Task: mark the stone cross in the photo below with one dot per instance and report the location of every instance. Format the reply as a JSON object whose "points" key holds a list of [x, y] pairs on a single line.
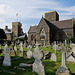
{"points": [[63, 70], [66, 44], [55, 46], [7, 58], [37, 45], [63, 50], [37, 65], [29, 47]]}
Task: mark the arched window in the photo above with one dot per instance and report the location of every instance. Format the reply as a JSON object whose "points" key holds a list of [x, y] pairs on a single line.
{"points": [[42, 34], [32, 36]]}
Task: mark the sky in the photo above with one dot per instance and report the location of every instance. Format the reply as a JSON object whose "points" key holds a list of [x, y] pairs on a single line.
{"points": [[31, 11]]}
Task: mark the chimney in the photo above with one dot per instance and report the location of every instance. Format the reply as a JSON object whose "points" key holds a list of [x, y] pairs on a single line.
{"points": [[6, 27]]}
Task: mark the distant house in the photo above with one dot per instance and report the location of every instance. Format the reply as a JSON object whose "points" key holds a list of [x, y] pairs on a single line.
{"points": [[15, 32], [50, 29]]}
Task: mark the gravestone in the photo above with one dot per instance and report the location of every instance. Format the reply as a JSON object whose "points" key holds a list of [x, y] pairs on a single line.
{"points": [[15, 47], [13, 53], [63, 70], [21, 49], [55, 46], [29, 52], [37, 65], [53, 57], [7, 58]]}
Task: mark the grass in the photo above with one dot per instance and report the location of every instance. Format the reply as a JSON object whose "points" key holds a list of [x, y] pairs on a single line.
{"points": [[50, 66]]}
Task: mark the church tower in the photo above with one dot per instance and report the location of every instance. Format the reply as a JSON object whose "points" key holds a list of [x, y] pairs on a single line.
{"points": [[52, 16], [16, 29]]}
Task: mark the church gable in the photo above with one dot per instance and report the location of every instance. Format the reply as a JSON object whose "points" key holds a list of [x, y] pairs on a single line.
{"points": [[42, 25]]}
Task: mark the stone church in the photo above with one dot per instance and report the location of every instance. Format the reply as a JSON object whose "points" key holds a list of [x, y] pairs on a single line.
{"points": [[51, 29], [15, 32]]}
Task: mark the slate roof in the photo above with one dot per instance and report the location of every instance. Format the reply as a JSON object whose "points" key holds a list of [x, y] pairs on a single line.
{"points": [[63, 24], [8, 31], [32, 29], [55, 24]]}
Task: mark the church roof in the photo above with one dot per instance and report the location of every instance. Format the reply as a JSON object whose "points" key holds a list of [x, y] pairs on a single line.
{"points": [[8, 31], [32, 29], [63, 24], [55, 24]]}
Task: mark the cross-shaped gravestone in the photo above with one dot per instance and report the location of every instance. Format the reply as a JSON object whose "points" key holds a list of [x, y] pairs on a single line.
{"points": [[63, 70], [37, 65], [29, 47], [55, 47], [66, 44], [37, 45], [63, 50], [7, 58]]}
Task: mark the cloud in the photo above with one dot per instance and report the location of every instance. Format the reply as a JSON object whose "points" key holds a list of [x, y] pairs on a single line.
{"points": [[30, 9]]}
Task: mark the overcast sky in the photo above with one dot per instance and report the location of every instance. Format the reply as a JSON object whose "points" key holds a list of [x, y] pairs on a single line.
{"points": [[31, 11]]}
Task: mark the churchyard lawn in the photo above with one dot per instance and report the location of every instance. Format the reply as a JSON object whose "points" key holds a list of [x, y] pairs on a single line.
{"points": [[50, 66]]}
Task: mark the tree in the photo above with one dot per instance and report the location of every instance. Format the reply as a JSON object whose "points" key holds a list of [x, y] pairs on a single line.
{"points": [[2, 35]]}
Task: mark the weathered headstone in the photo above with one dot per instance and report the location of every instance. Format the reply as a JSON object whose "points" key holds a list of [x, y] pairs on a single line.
{"points": [[7, 58], [15, 47], [63, 70], [13, 53], [29, 52], [37, 65], [53, 57], [21, 47], [55, 47]]}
